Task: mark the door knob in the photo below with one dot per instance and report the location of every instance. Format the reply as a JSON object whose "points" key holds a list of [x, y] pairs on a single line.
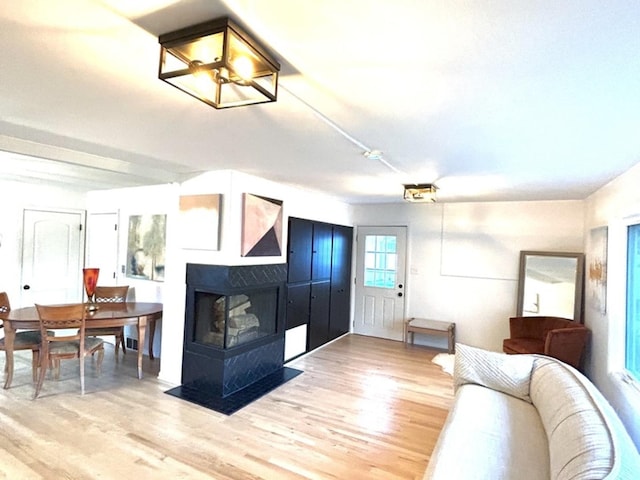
{"points": [[399, 294], [26, 287]]}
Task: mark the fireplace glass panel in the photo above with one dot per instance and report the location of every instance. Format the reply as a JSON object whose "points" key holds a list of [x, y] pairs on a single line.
{"points": [[226, 321]]}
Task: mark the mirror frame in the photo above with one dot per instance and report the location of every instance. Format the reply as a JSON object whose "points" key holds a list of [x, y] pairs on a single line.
{"points": [[579, 280]]}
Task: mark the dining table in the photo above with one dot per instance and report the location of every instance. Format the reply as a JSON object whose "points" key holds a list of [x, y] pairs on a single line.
{"points": [[98, 315]]}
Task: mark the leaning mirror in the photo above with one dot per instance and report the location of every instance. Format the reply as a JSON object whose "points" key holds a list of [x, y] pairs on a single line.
{"points": [[550, 284]]}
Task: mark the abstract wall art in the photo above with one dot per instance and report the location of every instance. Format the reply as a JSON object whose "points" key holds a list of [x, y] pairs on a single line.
{"points": [[146, 247], [261, 226], [200, 221], [597, 270]]}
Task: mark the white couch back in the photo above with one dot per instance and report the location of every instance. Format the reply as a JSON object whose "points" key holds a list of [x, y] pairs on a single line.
{"points": [[586, 438]]}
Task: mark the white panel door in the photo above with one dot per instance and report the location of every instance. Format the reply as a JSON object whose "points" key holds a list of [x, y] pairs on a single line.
{"points": [[52, 254], [102, 246], [380, 282]]}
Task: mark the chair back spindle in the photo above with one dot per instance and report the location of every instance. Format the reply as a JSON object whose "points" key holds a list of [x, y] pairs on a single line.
{"points": [[111, 294], [5, 306]]}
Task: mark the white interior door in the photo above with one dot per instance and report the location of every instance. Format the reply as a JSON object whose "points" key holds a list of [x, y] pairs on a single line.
{"points": [[52, 254], [102, 246], [380, 282]]}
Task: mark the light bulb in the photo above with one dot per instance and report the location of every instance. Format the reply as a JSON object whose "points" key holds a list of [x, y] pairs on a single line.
{"points": [[243, 67], [202, 78]]}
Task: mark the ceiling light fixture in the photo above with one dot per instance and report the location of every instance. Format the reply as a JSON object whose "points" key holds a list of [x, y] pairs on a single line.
{"points": [[420, 192], [373, 154], [218, 63]]}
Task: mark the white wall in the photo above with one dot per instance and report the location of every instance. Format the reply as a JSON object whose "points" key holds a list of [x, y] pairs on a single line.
{"points": [[14, 198], [165, 199], [616, 205], [154, 200], [463, 259]]}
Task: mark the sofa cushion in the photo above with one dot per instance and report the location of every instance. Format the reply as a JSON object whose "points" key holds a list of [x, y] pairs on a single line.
{"points": [[506, 373], [490, 435]]}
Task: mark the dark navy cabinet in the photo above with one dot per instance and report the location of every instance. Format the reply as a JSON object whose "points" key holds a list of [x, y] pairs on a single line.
{"points": [[319, 279]]}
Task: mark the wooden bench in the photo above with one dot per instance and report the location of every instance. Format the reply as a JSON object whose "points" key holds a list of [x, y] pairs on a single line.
{"points": [[431, 327]]}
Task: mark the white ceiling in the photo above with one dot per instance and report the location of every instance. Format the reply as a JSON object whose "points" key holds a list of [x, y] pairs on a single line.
{"points": [[491, 100]]}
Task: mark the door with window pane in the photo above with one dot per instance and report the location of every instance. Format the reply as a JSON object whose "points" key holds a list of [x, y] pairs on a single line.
{"points": [[380, 282]]}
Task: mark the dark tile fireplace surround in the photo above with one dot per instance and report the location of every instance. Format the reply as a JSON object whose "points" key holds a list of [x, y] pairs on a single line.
{"points": [[234, 335]]}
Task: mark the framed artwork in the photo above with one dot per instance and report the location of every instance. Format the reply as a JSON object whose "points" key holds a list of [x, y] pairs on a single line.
{"points": [[200, 221], [597, 269], [261, 226], [146, 247]]}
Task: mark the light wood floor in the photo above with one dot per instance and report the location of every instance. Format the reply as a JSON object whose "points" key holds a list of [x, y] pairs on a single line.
{"points": [[364, 408]]}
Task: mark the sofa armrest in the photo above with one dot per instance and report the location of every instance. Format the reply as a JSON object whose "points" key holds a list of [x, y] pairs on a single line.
{"points": [[567, 344]]}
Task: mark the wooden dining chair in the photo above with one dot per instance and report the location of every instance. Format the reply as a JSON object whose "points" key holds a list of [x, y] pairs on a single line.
{"points": [[67, 345], [111, 295], [25, 340]]}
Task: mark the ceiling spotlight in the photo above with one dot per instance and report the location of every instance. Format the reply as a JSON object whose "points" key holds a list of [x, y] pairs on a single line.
{"points": [[420, 192], [373, 154], [218, 63]]}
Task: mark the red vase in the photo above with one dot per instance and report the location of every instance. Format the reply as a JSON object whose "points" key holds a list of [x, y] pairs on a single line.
{"points": [[90, 278]]}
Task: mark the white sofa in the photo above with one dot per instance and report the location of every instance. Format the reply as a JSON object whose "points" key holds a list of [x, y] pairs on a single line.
{"points": [[528, 417]]}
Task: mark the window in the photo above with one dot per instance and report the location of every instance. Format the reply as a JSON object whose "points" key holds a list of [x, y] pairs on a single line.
{"points": [[632, 357], [380, 261]]}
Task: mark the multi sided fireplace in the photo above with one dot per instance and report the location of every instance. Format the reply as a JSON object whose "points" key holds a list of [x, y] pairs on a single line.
{"points": [[234, 326], [226, 321]]}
